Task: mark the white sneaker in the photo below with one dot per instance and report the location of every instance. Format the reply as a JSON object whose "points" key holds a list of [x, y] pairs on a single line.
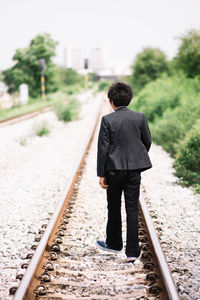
{"points": [[133, 258]]}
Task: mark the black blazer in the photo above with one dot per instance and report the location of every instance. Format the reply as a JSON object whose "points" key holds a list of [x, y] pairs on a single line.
{"points": [[124, 141]]}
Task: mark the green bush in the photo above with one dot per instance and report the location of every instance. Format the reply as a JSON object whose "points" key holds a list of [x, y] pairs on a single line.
{"points": [[188, 56], [160, 95], [93, 77], [26, 67], [104, 85], [71, 77], [42, 129], [67, 111], [172, 106], [73, 89], [169, 130], [148, 66], [187, 163]]}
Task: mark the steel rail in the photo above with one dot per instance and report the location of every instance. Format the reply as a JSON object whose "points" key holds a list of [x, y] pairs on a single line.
{"points": [[24, 116], [164, 269], [22, 290]]}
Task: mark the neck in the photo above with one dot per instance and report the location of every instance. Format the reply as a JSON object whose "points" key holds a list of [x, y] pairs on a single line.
{"points": [[113, 106]]}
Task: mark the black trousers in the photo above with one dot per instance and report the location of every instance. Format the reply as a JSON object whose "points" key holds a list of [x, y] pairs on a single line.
{"points": [[129, 182]]}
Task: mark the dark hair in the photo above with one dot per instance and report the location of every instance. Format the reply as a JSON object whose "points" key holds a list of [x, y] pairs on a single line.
{"points": [[120, 94]]}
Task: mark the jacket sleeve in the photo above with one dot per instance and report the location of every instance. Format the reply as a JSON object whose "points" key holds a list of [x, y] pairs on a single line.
{"points": [[145, 134], [103, 147]]}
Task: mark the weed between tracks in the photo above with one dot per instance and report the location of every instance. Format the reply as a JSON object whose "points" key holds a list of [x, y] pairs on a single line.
{"points": [[42, 129], [67, 111], [39, 129]]}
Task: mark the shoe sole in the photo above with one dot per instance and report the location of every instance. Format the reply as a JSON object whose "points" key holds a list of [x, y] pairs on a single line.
{"points": [[107, 249], [134, 258]]}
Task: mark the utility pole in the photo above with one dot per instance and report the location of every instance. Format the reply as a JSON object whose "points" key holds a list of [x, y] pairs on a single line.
{"points": [[86, 62], [42, 67]]}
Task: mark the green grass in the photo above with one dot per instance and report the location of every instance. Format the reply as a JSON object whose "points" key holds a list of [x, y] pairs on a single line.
{"points": [[63, 95], [42, 129], [73, 89], [67, 111], [104, 85], [38, 103], [23, 140], [21, 109]]}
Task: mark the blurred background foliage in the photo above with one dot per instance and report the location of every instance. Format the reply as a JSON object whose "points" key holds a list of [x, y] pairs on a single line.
{"points": [[60, 82], [104, 85], [168, 93], [148, 66], [187, 161], [68, 76], [26, 69], [188, 58], [67, 111]]}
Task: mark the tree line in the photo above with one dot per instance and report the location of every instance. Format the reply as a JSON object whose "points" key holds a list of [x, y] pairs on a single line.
{"points": [[26, 68], [168, 92]]}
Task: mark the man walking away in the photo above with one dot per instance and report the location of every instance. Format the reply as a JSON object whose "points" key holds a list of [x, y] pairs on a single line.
{"points": [[123, 145]]}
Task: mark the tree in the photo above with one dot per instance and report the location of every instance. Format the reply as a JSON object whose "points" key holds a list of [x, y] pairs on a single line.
{"points": [[148, 66], [68, 76], [188, 57], [72, 77], [1, 76], [93, 77], [26, 70]]}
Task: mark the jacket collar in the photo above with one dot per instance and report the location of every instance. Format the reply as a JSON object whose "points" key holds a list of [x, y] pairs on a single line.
{"points": [[121, 108]]}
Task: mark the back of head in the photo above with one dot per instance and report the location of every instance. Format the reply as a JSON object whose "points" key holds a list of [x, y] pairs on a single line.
{"points": [[120, 94]]}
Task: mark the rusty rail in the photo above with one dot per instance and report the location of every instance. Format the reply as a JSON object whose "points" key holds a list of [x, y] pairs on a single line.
{"points": [[164, 269], [24, 116], [22, 291]]}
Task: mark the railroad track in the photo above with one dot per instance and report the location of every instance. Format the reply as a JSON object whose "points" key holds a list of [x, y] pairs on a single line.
{"points": [[67, 265], [24, 116]]}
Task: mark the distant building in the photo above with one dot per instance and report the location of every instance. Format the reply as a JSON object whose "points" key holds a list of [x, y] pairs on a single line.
{"points": [[98, 60], [72, 58]]}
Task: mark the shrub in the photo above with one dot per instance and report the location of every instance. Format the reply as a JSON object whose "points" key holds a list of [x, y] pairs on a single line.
{"points": [[73, 89], [67, 111], [26, 67], [188, 56], [71, 77], [104, 85], [23, 140], [158, 96], [42, 129], [172, 105], [187, 163], [148, 66], [168, 131], [93, 77]]}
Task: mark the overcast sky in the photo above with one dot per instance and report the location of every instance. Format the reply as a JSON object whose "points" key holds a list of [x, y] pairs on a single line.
{"points": [[123, 26]]}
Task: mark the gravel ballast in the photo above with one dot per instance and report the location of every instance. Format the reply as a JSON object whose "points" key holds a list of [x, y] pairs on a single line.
{"points": [[97, 273], [175, 209], [34, 172]]}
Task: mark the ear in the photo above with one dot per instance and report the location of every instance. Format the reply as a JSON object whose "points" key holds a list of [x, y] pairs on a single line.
{"points": [[113, 106]]}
